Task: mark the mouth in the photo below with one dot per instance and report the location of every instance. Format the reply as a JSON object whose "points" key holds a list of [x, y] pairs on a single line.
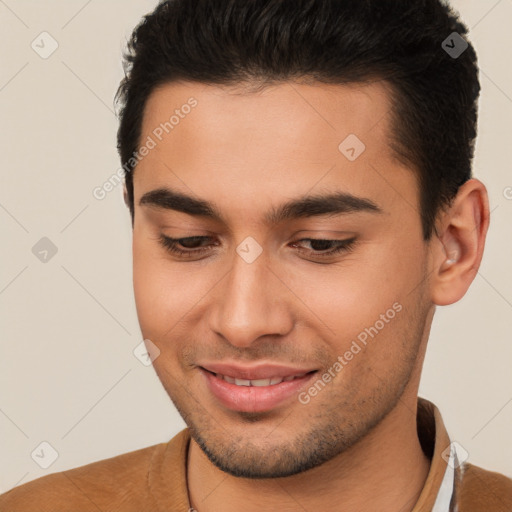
{"points": [[254, 390], [272, 381]]}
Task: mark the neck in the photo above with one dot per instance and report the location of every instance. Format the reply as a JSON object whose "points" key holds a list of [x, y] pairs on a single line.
{"points": [[385, 471]]}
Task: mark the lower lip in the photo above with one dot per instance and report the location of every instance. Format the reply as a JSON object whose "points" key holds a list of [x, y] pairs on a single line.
{"points": [[253, 398]]}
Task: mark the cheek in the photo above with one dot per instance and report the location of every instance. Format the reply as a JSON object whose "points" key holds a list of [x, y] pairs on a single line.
{"points": [[166, 292], [351, 296], [154, 288]]}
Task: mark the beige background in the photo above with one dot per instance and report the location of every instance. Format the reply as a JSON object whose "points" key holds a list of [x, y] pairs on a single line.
{"points": [[68, 327]]}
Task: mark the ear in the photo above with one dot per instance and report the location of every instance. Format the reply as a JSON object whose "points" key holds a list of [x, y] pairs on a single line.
{"points": [[125, 195], [459, 243]]}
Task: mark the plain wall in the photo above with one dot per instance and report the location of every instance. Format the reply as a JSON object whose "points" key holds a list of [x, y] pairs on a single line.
{"points": [[68, 326]]}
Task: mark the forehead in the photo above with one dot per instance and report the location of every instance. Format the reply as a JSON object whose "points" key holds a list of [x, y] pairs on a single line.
{"points": [[284, 139], [292, 111]]}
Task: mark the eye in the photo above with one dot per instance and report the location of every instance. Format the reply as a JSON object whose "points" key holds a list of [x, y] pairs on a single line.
{"points": [[191, 245], [322, 247]]}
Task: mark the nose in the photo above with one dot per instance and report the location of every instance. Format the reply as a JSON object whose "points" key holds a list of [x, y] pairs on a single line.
{"points": [[250, 302]]}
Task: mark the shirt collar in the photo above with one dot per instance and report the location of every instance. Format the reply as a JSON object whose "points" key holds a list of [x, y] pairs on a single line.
{"points": [[438, 494]]}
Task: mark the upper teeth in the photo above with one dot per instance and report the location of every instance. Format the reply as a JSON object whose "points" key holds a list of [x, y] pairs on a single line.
{"points": [[257, 382]]}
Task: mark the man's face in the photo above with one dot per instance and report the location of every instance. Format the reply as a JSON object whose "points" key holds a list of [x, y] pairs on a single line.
{"points": [[258, 301]]}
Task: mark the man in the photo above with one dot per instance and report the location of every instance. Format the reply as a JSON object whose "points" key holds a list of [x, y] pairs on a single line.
{"points": [[298, 175]]}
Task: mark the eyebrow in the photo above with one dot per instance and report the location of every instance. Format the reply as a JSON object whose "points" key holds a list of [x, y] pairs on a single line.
{"points": [[334, 203]]}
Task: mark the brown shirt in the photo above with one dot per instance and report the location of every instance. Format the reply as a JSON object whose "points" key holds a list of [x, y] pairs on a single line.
{"points": [[153, 479]]}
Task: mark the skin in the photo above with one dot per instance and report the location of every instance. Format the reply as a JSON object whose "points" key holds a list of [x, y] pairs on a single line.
{"points": [[355, 442]]}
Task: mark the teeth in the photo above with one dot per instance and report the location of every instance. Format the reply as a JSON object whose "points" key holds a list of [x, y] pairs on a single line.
{"points": [[262, 382], [258, 382]]}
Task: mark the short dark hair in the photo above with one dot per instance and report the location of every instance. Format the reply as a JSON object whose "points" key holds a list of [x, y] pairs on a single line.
{"points": [[227, 42]]}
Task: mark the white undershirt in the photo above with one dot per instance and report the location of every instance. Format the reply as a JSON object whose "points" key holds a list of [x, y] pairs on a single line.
{"points": [[444, 496]]}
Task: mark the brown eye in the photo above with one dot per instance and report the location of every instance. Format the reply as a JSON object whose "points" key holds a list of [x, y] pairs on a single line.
{"points": [[320, 247], [190, 246]]}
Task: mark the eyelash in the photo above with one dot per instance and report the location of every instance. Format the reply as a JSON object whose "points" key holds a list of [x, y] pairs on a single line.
{"points": [[170, 244]]}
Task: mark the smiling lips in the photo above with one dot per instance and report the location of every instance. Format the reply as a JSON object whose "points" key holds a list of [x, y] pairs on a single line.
{"points": [[253, 389]]}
